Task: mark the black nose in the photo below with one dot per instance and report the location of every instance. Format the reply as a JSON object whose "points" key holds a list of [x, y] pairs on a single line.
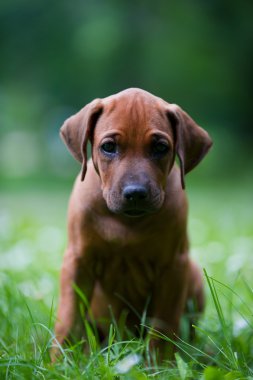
{"points": [[135, 193]]}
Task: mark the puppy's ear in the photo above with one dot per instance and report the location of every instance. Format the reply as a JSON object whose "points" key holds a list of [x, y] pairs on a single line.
{"points": [[191, 141], [77, 130]]}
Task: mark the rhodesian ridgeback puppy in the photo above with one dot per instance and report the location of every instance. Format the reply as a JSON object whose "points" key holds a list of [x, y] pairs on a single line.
{"points": [[127, 223]]}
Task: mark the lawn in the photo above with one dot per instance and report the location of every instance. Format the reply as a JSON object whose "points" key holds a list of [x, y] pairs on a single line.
{"points": [[32, 235]]}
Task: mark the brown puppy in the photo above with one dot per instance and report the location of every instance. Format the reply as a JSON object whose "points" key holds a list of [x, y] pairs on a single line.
{"points": [[127, 224]]}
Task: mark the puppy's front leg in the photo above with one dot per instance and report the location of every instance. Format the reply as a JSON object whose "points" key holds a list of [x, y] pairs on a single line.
{"points": [[169, 300], [75, 271]]}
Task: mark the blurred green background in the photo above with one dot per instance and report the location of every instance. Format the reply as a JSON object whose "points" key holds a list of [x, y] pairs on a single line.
{"points": [[57, 56]]}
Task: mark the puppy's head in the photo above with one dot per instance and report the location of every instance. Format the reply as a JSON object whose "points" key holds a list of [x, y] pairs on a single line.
{"points": [[135, 137]]}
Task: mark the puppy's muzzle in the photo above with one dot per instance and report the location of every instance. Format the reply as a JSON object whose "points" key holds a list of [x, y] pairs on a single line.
{"points": [[135, 193], [136, 200]]}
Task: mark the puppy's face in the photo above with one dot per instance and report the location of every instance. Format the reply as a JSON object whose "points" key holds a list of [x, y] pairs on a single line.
{"points": [[133, 152], [135, 137]]}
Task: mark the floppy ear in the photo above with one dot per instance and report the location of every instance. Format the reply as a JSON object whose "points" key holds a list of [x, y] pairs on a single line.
{"points": [[192, 142], [77, 129]]}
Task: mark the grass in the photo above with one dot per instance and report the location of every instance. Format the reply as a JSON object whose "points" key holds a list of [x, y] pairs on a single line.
{"points": [[32, 233]]}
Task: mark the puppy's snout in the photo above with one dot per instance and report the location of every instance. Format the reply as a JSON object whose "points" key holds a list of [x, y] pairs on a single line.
{"points": [[135, 193]]}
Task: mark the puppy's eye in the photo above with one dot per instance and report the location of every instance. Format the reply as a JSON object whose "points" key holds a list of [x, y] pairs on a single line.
{"points": [[160, 148], [109, 147]]}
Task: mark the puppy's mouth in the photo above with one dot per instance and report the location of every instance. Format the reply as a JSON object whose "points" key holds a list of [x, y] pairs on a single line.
{"points": [[131, 208], [135, 213]]}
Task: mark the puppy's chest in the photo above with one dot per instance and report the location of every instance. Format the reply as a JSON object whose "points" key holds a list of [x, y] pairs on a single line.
{"points": [[116, 234], [125, 276]]}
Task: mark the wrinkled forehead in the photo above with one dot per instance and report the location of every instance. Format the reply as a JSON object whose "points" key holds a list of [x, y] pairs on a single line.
{"points": [[133, 113]]}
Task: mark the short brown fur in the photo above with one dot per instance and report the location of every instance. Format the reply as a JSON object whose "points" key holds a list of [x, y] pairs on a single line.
{"points": [[127, 221]]}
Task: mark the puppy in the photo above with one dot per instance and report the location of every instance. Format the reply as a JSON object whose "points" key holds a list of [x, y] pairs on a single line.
{"points": [[127, 222]]}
